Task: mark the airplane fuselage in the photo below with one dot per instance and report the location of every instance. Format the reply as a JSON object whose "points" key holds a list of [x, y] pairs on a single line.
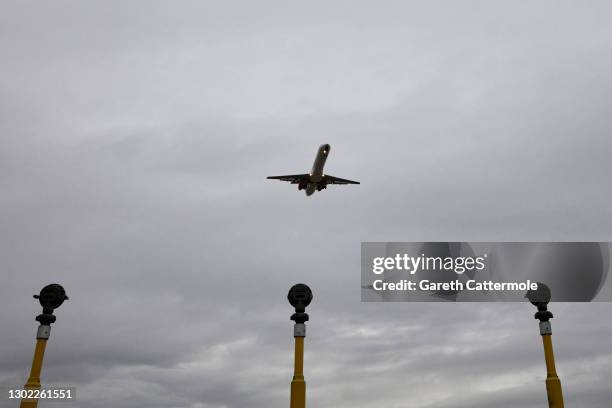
{"points": [[316, 180], [316, 174]]}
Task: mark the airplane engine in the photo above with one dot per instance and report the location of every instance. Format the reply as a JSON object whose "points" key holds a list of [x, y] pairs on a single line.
{"points": [[321, 187], [302, 185]]}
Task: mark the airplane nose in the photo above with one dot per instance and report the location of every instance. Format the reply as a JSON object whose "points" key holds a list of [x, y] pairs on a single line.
{"points": [[326, 148]]}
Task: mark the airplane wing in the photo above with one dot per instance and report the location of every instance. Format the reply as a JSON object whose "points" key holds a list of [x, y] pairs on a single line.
{"points": [[293, 179], [337, 180]]}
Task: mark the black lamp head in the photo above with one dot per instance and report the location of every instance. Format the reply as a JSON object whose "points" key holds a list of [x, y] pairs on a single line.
{"points": [[540, 296], [299, 296], [51, 297]]}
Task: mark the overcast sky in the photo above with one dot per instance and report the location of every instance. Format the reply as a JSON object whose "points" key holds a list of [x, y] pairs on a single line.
{"points": [[135, 138]]}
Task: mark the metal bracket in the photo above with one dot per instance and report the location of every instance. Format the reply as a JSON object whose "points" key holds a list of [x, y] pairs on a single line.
{"points": [[545, 328], [44, 331], [299, 330]]}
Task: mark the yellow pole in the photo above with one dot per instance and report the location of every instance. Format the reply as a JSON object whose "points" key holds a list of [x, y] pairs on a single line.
{"points": [[34, 379], [553, 383], [299, 297], [298, 385], [51, 297], [540, 297]]}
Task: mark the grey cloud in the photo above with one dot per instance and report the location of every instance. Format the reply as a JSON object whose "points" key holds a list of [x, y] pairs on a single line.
{"points": [[135, 144]]}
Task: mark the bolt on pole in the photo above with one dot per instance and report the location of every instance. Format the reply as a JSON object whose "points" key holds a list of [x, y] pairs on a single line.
{"points": [[540, 299], [51, 297], [299, 297]]}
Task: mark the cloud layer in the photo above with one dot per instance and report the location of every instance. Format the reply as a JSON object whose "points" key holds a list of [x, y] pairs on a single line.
{"points": [[135, 142]]}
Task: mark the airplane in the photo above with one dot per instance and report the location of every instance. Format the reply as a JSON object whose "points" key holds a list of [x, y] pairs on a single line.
{"points": [[315, 180]]}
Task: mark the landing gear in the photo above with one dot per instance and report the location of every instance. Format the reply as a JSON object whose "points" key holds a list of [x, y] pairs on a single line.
{"points": [[321, 187]]}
